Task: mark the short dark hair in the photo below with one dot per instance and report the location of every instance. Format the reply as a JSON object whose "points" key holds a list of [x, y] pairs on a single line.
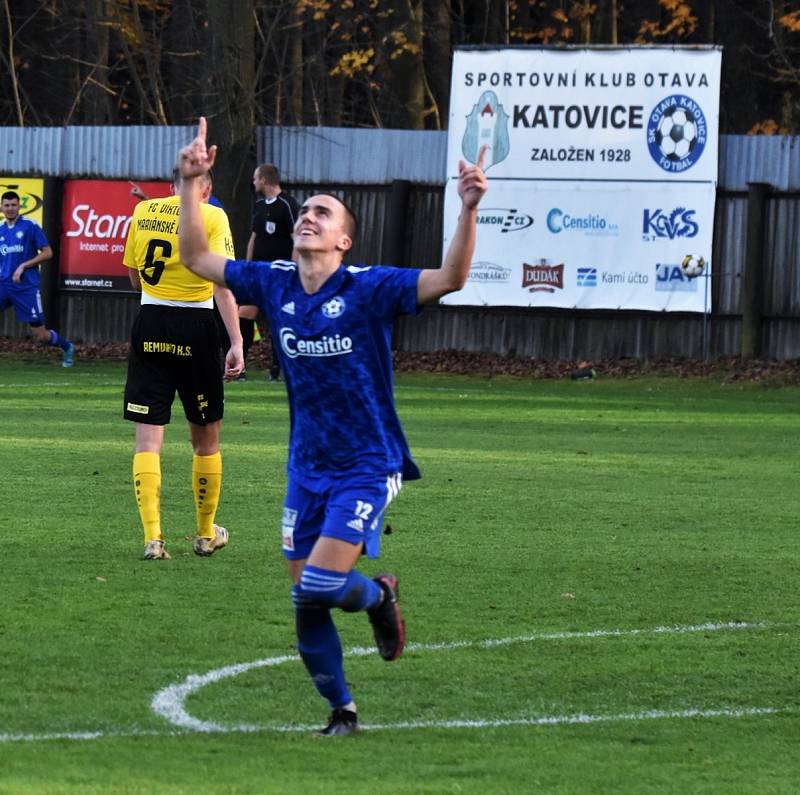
{"points": [[352, 221], [269, 172], [176, 176], [9, 195]]}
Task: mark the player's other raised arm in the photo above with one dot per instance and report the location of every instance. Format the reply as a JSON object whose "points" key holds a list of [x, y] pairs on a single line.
{"points": [[194, 162], [452, 276]]}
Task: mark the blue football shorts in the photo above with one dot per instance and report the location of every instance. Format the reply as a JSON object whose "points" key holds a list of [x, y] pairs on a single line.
{"points": [[349, 508], [26, 300]]}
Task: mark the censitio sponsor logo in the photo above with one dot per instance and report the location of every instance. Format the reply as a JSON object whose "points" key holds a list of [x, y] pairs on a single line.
{"points": [[17, 249], [488, 273], [559, 221], [293, 346]]}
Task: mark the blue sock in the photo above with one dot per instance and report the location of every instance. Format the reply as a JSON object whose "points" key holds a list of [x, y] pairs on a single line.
{"points": [[351, 592], [59, 341], [320, 649]]}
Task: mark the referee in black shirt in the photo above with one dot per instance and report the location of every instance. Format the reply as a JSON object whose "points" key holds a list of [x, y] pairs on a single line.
{"points": [[274, 216]]}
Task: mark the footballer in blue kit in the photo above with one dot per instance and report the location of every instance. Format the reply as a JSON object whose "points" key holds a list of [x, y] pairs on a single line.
{"points": [[23, 247], [348, 455], [339, 380]]}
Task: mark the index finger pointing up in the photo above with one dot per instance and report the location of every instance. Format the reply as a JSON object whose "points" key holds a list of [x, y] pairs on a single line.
{"points": [[202, 127], [481, 156]]}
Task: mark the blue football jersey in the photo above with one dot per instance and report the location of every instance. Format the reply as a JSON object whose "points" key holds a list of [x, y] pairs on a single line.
{"points": [[335, 353], [19, 243]]}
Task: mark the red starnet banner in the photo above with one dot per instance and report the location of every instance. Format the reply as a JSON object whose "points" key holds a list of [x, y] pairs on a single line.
{"points": [[95, 218]]}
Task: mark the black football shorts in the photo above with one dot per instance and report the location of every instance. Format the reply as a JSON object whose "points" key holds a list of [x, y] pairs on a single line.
{"points": [[174, 349]]}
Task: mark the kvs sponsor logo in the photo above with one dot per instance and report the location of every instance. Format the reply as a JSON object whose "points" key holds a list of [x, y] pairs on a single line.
{"points": [[658, 224]]}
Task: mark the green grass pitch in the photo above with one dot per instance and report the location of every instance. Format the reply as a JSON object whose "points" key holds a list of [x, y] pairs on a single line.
{"points": [[600, 582]]}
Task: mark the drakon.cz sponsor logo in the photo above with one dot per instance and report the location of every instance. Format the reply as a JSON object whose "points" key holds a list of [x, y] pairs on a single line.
{"points": [[504, 219], [670, 278], [488, 273], [559, 221], [657, 224], [542, 277]]}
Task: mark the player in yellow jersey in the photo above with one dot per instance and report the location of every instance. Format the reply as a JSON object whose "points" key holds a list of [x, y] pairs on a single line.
{"points": [[175, 346]]}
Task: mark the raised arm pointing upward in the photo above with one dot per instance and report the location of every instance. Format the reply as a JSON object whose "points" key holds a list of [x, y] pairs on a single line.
{"points": [[348, 456]]}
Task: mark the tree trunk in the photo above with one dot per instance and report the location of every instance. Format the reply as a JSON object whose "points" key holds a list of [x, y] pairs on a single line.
{"points": [[297, 70], [229, 71], [407, 70], [93, 101], [438, 55]]}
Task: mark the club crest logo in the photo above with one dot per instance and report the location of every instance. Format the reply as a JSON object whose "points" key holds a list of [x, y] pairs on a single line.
{"points": [[334, 307], [487, 125], [270, 227], [676, 133]]}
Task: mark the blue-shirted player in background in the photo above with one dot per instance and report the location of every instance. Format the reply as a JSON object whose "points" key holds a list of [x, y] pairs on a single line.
{"points": [[348, 456], [23, 247]]}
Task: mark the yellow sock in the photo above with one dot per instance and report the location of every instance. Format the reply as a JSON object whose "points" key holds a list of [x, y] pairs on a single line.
{"points": [[207, 484], [147, 487]]}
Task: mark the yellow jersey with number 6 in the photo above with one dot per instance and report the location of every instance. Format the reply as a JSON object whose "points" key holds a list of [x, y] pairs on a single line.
{"points": [[152, 249]]}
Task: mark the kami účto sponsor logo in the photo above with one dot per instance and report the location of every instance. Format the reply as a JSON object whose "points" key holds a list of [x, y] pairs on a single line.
{"points": [[504, 219], [587, 277], [676, 133], [488, 273], [659, 224]]}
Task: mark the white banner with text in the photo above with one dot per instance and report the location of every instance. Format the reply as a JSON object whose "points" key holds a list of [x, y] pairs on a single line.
{"points": [[602, 168]]}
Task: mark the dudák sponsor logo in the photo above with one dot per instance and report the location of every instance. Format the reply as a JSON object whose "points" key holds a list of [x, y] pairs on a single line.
{"points": [[542, 277]]}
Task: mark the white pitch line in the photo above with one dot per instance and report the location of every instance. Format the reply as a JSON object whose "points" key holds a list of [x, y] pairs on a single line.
{"points": [[57, 384], [169, 702], [578, 719]]}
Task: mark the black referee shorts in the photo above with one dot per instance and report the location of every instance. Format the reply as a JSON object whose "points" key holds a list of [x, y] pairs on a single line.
{"points": [[174, 350]]}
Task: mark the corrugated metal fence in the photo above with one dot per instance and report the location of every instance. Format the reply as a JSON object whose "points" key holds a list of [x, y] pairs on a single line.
{"points": [[362, 165]]}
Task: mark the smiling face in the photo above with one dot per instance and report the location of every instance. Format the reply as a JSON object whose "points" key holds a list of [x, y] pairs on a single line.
{"points": [[11, 209], [322, 225]]}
